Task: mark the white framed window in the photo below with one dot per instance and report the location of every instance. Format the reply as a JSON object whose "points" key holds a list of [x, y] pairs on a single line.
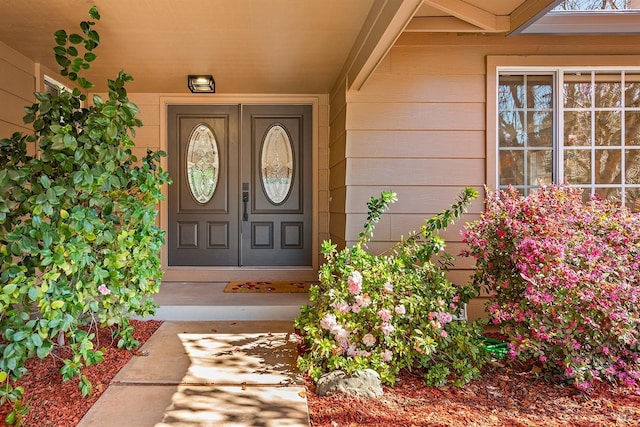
{"points": [[573, 125], [54, 87]]}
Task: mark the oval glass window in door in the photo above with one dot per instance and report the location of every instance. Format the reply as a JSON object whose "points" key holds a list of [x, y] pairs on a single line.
{"points": [[276, 164], [202, 163]]}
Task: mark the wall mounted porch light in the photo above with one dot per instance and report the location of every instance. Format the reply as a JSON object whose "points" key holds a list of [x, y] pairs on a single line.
{"points": [[201, 84]]}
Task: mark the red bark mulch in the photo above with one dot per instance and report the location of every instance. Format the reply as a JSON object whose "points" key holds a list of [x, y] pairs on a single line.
{"points": [[505, 396], [53, 402]]}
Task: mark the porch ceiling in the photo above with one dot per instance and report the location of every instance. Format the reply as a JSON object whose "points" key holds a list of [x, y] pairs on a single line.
{"points": [[250, 46]]}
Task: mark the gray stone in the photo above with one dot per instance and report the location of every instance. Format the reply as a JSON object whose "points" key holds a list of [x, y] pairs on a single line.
{"points": [[365, 383]]}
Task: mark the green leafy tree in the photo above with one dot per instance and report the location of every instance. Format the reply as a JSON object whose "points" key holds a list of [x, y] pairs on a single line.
{"points": [[79, 242]]}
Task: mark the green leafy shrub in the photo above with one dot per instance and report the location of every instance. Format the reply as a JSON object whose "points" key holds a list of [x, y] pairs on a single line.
{"points": [[79, 242], [391, 311], [565, 279]]}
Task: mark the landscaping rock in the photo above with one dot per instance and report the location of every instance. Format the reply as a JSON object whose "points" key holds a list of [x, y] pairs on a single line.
{"points": [[365, 383]]}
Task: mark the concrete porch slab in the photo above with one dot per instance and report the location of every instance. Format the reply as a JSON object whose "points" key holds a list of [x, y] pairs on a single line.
{"points": [[190, 301]]}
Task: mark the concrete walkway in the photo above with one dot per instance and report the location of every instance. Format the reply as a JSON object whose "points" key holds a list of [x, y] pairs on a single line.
{"points": [[208, 373]]}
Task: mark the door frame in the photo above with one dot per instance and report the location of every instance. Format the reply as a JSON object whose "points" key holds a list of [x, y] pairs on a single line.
{"points": [[217, 274]]}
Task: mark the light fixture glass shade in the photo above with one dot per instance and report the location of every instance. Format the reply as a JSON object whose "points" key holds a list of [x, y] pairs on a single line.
{"points": [[201, 84]]}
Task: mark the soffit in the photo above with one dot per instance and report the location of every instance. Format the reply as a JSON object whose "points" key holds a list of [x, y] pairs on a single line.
{"points": [[477, 16], [512, 17], [250, 46]]}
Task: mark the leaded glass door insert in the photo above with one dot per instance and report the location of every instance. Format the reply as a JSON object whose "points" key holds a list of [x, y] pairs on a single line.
{"points": [[276, 164], [202, 163]]}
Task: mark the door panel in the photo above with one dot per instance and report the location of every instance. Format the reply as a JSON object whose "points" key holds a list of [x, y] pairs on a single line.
{"points": [[277, 232], [260, 211], [203, 232]]}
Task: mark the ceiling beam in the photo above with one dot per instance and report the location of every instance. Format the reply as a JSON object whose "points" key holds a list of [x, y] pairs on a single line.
{"points": [[449, 24], [529, 12], [386, 21], [474, 15]]}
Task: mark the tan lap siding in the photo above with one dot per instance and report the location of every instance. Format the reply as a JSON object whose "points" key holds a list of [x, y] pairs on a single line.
{"points": [[418, 127], [17, 84], [148, 136], [337, 166]]}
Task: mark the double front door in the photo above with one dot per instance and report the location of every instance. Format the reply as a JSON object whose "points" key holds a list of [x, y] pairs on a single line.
{"points": [[241, 192]]}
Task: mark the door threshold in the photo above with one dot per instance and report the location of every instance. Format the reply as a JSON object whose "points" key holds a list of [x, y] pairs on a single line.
{"points": [[225, 274]]}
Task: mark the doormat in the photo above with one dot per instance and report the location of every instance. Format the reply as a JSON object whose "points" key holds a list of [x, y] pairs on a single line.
{"points": [[290, 286]]}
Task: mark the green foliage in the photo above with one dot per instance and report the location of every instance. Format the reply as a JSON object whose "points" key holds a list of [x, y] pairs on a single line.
{"points": [[79, 242], [564, 276], [391, 311]]}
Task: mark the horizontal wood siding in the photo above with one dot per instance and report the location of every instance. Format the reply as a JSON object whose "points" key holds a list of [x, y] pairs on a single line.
{"points": [[337, 167], [412, 200], [394, 172], [417, 127], [444, 116], [17, 85], [459, 88], [432, 144], [324, 193]]}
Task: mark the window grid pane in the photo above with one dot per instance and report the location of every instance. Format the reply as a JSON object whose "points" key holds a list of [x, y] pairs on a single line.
{"points": [[599, 139], [526, 124], [594, 155]]}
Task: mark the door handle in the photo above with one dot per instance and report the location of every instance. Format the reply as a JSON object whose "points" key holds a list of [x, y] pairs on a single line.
{"points": [[245, 201]]}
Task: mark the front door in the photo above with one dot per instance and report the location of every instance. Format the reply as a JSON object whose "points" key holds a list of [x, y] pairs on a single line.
{"points": [[241, 193]]}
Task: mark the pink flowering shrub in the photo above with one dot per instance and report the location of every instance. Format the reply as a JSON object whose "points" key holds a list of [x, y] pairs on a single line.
{"points": [[565, 281], [391, 311]]}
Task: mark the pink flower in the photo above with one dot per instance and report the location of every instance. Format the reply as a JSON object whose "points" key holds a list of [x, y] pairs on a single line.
{"points": [[369, 340], [328, 322], [363, 300], [388, 287], [585, 385], [444, 317], [385, 315], [355, 288], [355, 282], [351, 351], [400, 310], [104, 290], [387, 328], [387, 355], [341, 307], [341, 334], [443, 333]]}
